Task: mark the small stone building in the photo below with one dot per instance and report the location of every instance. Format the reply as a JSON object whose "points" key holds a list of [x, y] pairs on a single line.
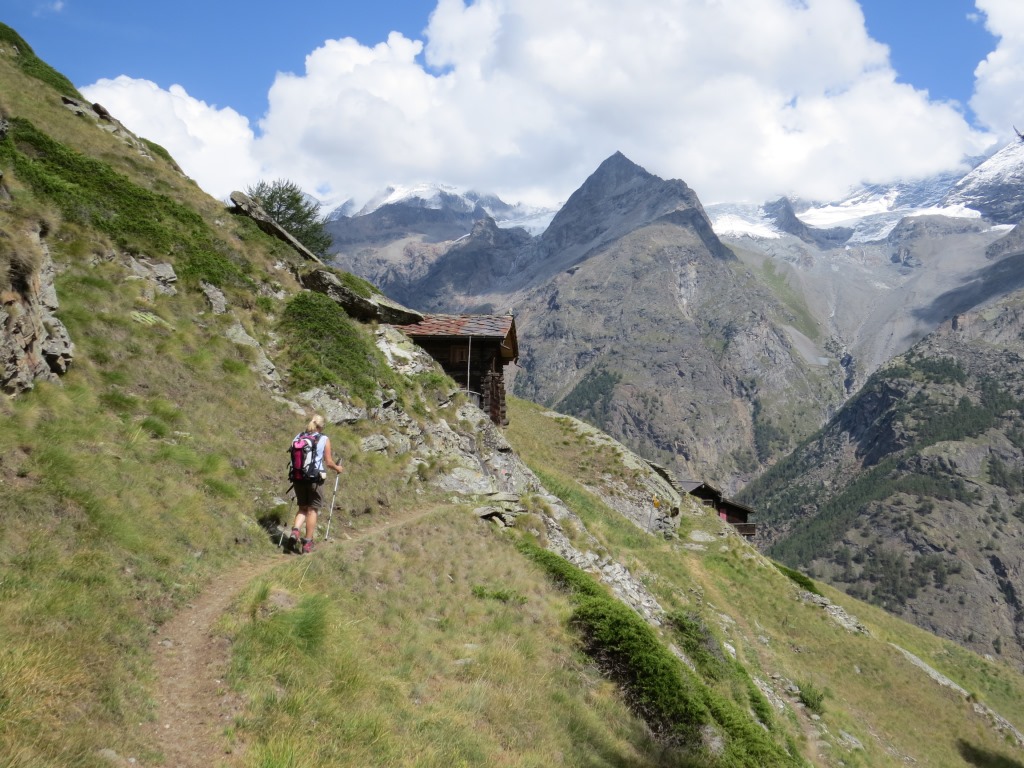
{"points": [[473, 350]]}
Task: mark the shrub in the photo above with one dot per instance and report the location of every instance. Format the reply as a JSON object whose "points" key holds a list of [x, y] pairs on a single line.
{"points": [[812, 697], [799, 578], [654, 681]]}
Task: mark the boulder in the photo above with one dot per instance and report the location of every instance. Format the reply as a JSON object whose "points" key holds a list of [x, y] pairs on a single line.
{"points": [[374, 308], [246, 206]]}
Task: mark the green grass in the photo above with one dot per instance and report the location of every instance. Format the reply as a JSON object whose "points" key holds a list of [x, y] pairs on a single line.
{"points": [[35, 67], [418, 664], [803, 318], [326, 348], [90, 192]]}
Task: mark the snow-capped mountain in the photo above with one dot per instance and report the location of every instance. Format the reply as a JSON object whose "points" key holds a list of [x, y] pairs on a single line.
{"points": [[870, 213], [995, 188], [443, 197]]}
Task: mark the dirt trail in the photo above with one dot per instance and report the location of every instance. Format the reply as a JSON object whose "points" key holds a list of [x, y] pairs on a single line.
{"points": [[194, 704]]}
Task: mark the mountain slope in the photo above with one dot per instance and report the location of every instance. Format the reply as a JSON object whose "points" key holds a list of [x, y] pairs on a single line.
{"points": [[994, 187], [912, 495], [626, 309]]}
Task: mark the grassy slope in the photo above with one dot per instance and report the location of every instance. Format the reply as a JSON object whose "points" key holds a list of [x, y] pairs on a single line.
{"points": [[139, 479], [128, 487], [892, 708]]}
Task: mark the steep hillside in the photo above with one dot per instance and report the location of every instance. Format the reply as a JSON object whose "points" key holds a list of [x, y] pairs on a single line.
{"points": [[912, 495], [486, 597]]}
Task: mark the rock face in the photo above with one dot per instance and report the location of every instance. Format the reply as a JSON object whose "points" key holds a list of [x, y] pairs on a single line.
{"points": [[785, 218], [34, 344]]}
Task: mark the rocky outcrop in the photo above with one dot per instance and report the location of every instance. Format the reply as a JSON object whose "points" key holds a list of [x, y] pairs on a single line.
{"points": [[246, 206], [376, 307], [107, 122], [785, 218], [34, 344]]}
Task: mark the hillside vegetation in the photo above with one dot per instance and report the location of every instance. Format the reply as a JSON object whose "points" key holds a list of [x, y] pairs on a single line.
{"points": [[422, 635], [912, 496]]}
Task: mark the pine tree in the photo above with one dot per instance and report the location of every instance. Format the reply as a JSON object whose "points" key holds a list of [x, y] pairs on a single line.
{"points": [[286, 203]]}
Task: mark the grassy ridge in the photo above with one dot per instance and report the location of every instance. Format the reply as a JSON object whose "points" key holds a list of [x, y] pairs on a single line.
{"points": [[32, 65]]}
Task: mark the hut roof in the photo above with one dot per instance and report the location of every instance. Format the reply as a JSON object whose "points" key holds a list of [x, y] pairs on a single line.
{"points": [[501, 327]]}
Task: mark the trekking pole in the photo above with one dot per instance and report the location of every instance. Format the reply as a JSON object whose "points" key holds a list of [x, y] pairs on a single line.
{"points": [[280, 540], [330, 517]]}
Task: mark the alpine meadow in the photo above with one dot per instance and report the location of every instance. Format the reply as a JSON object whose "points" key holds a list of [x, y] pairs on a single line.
{"points": [[489, 594]]}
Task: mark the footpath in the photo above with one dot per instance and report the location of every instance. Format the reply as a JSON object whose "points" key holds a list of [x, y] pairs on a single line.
{"points": [[194, 704]]}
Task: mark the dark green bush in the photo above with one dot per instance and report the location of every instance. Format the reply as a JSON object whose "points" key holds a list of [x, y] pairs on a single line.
{"points": [[800, 578], [698, 644], [654, 680], [565, 574], [812, 697], [673, 702]]}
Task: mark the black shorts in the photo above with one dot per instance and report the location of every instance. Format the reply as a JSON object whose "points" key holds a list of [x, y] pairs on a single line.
{"points": [[308, 494]]}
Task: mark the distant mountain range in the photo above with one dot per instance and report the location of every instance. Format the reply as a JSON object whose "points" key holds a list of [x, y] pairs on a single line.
{"points": [[834, 290], [716, 341]]}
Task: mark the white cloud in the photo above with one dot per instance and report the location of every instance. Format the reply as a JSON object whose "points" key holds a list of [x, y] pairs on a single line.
{"points": [[743, 100], [56, 6], [998, 97], [213, 146]]}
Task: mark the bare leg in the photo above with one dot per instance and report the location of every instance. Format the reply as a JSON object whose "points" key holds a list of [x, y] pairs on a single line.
{"points": [[311, 524]]}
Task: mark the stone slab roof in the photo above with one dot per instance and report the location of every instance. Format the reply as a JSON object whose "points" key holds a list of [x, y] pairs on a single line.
{"points": [[492, 326]]}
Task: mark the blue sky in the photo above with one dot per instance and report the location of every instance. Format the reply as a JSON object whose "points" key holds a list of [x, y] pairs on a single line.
{"points": [[743, 99]]}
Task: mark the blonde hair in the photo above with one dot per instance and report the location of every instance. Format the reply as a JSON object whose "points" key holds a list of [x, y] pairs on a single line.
{"points": [[316, 424]]}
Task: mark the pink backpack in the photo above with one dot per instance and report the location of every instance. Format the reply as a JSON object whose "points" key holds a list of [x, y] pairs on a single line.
{"points": [[302, 458]]}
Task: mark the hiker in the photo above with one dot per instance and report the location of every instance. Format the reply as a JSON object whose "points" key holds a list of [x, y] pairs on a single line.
{"points": [[307, 491]]}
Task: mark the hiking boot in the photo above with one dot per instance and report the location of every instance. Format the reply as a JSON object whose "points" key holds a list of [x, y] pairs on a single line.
{"points": [[294, 540], [307, 547]]}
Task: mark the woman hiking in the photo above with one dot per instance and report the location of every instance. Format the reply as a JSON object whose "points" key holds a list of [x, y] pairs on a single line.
{"points": [[308, 495]]}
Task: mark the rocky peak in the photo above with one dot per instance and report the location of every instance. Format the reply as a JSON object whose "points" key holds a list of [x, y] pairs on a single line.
{"points": [[617, 198]]}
